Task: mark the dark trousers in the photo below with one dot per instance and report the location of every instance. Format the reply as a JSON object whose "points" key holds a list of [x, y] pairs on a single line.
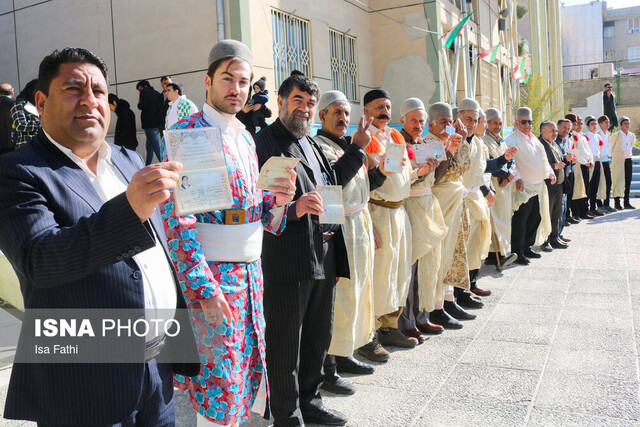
{"points": [[555, 209], [628, 173], [524, 225], [299, 318], [569, 192], [593, 186], [156, 406], [580, 206], [411, 314], [606, 167]]}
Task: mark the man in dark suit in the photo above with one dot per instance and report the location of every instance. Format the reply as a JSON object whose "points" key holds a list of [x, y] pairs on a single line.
{"points": [[79, 224], [7, 144], [151, 106], [301, 265]]}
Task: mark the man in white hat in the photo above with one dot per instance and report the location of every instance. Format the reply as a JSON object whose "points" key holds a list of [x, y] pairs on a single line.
{"points": [[428, 229], [353, 318], [531, 223], [504, 182]]}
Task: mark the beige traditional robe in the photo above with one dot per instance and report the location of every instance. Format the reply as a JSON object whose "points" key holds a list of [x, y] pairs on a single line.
{"points": [[428, 231], [502, 210], [479, 216], [392, 262], [617, 163], [353, 318], [580, 148], [450, 192], [533, 167]]}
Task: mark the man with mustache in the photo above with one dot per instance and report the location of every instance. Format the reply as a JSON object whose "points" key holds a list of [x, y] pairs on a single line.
{"points": [[531, 223], [504, 181], [353, 319], [301, 265], [392, 232], [428, 228]]}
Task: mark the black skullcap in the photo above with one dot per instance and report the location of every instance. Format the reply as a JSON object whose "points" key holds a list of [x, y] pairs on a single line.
{"points": [[375, 94]]}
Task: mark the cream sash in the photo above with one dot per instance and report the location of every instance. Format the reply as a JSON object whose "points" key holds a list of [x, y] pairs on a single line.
{"points": [[231, 243], [421, 192]]}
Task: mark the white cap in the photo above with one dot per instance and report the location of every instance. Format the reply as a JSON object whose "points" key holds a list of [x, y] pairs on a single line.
{"points": [[330, 97], [411, 104]]}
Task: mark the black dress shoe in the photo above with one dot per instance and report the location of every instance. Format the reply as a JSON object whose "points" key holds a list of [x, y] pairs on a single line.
{"points": [[338, 385], [442, 318], [587, 215], [558, 244], [324, 417], [546, 247], [352, 365], [505, 261], [530, 254], [466, 300], [522, 260], [572, 220], [619, 207], [629, 206], [457, 312]]}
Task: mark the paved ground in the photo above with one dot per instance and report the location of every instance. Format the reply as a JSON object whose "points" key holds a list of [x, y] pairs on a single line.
{"points": [[556, 344]]}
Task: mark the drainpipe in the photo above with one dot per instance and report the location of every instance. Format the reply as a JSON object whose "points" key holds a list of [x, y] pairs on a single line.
{"points": [[220, 13]]}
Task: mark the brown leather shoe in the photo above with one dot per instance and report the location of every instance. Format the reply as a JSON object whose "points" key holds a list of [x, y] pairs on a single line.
{"points": [[429, 328], [481, 292], [565, 240], [415, 333], [373, 351], [394, 337]]}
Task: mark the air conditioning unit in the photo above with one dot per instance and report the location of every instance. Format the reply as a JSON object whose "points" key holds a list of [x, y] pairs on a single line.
{"points": [[605, 71]]}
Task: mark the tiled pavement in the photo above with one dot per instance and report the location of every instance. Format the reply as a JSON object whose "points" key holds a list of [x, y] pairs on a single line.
{"points": [[556, 344]]}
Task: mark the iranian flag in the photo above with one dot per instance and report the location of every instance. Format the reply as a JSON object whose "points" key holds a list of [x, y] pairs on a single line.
{"points": [[493, 53], [527, 75], [519, 71], [451, 35]]}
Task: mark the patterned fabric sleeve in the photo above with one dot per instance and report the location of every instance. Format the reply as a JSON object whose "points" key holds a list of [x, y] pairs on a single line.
{"points": [[274, 219], [24, 123], [196, 279]]}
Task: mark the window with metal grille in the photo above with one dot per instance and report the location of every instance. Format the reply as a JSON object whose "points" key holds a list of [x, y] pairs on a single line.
{"points": [[291, 45], [344, 64]]}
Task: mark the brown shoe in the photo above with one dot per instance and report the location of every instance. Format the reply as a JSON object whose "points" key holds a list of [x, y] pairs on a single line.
{"points": [[481, 292], [374, 351], [429, 328], [395, 337], [415, 333], [565, 240]]}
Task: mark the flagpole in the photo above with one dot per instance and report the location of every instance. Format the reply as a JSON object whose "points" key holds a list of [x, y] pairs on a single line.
{"points": [[456, 65], [467, 55], [447, 71]]}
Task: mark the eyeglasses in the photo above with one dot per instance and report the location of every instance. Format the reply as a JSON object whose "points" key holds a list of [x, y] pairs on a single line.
{"points": [[607, 87], [526, 122]]}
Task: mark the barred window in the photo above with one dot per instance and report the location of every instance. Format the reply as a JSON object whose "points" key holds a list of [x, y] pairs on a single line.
{"points": [[344, 64], [291, 45]]}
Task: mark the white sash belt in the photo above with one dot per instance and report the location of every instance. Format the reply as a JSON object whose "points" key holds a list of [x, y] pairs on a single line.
{"points": [[421, 192], [231, 243], [354, 209]]}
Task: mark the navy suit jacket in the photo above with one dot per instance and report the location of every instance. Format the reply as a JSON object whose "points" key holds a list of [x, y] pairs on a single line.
{"points": [[70, 249]]}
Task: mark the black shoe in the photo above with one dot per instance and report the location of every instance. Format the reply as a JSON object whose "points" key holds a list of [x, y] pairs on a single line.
{"points": [[442, 318], [522, 260], [558, 244], [587, 215], [338, 385], [491, 259], [628, 206], [324, 417], [466, 300], [506, 261], [353, 366], [609, 209], [572, 220], [457, 312], [546, 247], [530, 254]]}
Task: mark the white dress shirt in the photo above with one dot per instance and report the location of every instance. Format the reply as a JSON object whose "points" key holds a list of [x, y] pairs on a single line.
{"points": [[627, 144], [604, 151], [157, 278], [594, 144]]}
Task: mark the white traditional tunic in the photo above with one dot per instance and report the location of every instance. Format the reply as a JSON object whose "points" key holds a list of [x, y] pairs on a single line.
{"points": [[392, 262], [533, 168], [353, 318], [580, 148], [620, 147], [479, 216], [428, 232], [501, 210]]}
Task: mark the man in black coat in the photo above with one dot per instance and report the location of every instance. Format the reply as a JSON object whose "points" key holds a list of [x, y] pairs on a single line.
{"points": [[609, 105], [301, 265], [151, 107], [7, 144], [126, 125]]}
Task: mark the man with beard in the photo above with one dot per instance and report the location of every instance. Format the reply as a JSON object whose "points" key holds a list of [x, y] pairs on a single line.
{"points": [[301, 265], [353, 319], [505, 182], [427, 229], [531, 219], [392, 231]]}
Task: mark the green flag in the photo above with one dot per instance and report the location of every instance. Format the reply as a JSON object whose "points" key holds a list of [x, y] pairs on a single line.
{"points": [[451, 38], [529, 72]]}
